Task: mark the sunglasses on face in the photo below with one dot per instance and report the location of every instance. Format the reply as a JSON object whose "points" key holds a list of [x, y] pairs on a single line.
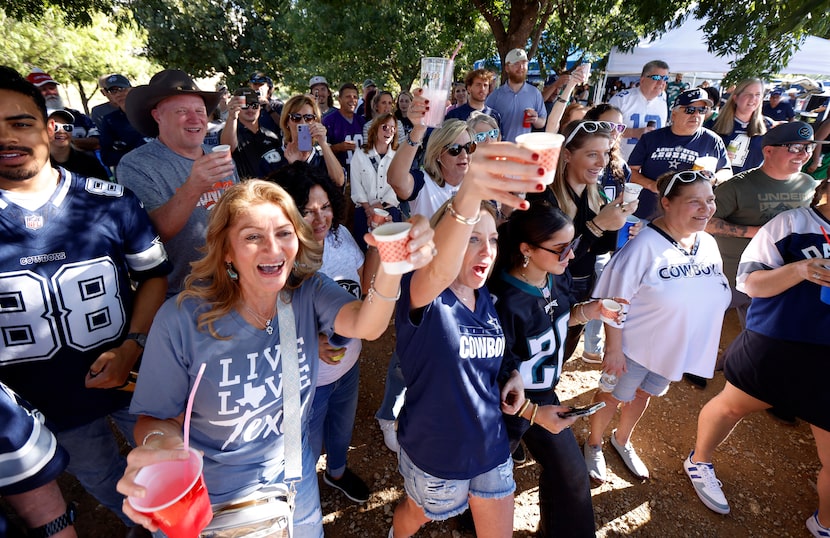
{"points": [[252, 106], [564, 252], [68, 127], [308, 118], [492, 134], [661, 78], [455, 149], [696, 110], [689, 176], [115, 89], [590, 126], [797, 148], [388, 128]]}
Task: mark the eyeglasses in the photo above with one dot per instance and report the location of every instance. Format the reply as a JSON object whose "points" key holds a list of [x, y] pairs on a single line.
{"points": [[797, 148], [492, 134], [115, 89], [662, 78], [68, 127], [455, 149], [252, 106], [689, 176], [299, 117], [564, 252], [696, 109], [590, 126], [388, 128]]}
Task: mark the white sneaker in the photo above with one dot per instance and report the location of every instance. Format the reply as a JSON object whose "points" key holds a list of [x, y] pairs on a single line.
{"points": [[708, 487], [630, 457], [390, 434], [816, 528], [591, 358], [595, 461]]}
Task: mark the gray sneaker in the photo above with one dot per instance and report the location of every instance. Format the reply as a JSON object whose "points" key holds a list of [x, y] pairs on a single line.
{"points": [[707, 486], [595, 461], [390, 434], [630, 457]]}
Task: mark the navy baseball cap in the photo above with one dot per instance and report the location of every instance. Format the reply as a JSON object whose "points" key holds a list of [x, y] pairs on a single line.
{"points": [[795, 132], [116, 81], [690, 96]]}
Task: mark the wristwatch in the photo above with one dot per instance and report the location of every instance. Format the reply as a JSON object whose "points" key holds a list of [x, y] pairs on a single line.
{"points": [[140, 339], [57, 524]]}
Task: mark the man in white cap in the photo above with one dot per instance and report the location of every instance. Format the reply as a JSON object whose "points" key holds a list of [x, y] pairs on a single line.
{"points": [[85, 132], [516, 97], [319, 88]]}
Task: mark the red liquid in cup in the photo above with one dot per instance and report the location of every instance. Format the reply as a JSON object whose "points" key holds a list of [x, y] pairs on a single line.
{"points": [[526, 120]]}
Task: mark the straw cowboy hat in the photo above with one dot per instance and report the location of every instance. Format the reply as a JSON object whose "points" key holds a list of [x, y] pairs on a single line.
{"points": [[168, 83]]}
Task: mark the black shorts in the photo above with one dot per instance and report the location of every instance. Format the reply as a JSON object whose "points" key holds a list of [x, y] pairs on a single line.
{"points": [[791, 376]]}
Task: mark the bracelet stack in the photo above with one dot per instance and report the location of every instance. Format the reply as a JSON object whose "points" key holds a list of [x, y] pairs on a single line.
{"points": [[593, 228], [461, 219], [580, 309]]}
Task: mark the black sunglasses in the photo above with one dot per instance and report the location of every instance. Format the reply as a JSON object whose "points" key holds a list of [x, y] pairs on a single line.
{"points": [[797, 148], [252, 106], [298, 117], [455, 149], [566, 250], [696, 109], [115, 89]]}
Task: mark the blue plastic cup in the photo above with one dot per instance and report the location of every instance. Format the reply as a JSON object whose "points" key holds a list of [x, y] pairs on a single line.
{"points": [[825, 295], [622, 234]]}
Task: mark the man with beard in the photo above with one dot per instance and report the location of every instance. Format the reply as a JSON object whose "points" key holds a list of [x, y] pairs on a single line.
{"points": [[118, 136], [85, 133], [478, 88], [676, 148], [516, 98], [73, 327], [345, 127], [644, 104], [61, 152]]}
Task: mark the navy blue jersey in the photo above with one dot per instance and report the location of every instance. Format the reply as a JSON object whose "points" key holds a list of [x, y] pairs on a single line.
{"points": [[65, 294]]}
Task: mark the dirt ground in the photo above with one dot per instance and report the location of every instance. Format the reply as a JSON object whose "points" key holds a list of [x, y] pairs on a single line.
{"points": [[768, 471]]}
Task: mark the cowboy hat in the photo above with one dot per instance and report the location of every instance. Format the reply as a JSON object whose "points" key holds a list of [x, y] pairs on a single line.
{"points": [[168, 83]]}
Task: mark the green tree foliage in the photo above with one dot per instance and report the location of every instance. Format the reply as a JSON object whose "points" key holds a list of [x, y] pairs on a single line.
{"points": [[75, 55]]}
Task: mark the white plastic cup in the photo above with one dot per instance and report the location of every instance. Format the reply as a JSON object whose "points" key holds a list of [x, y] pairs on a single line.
{"points": [[706, 163], [609, 310], [436, 81], [392, 240], [379, 217], [547, 145], [631, 192], [221, 148]]}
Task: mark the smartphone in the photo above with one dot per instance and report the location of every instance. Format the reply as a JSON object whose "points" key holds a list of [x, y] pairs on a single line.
{"points": [[303, 137], [582, 411], [251, 98]]}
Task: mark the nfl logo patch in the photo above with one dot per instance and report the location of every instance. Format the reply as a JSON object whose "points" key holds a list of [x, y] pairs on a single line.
{"points": [[34, 222]]}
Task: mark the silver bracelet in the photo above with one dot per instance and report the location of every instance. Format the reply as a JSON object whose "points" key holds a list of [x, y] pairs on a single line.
{"points": [[412, 142], [150, 434], [370, 295], [461, 218]]}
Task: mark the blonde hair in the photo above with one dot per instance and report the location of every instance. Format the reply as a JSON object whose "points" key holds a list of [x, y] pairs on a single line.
{"points": [[560, 185], [209, 280], [444, 136], [293, 106], [725, 124]]}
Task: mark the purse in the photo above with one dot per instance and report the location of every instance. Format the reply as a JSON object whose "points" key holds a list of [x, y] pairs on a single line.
{"points": [[270, 510]]}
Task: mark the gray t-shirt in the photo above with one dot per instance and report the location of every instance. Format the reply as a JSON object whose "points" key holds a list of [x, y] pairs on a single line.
{"points": [[752, 198], [154, 173]]}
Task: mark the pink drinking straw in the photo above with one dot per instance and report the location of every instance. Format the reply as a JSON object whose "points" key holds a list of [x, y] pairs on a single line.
{"points": [[190, 406], [458, 48]]}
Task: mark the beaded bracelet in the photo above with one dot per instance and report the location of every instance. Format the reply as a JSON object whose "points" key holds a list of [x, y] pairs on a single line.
{"points": [[370, 295], [412, 142], [461, 218]]}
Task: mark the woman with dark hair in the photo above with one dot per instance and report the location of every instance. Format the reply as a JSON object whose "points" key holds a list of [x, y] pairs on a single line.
{"points": [[335, 398], [369, 166], [672, 275], [533, 298], [742, 126], [401, 106]]}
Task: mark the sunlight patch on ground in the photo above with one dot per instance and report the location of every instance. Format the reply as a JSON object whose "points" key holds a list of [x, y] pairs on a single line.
{"points": [[633, 520]]}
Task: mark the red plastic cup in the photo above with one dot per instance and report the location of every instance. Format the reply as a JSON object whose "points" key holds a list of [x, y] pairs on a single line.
{"points": [[176, 498]]}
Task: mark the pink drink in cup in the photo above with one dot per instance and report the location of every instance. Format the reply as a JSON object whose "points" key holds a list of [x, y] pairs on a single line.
{"points": [[176, 498], [547, 145], [392, 240], [436, 80]]}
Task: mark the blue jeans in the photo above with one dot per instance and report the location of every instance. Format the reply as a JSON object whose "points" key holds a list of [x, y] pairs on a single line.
{"points": [[593, 342], [95, 458], [393, 391], [332, 419]]}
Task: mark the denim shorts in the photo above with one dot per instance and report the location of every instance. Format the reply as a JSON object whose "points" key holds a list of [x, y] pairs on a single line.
{"points": [[442, 498], [636, 377]]}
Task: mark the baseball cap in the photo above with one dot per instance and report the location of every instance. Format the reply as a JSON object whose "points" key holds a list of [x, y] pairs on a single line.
{"points": [[62, 112], [38, 77], [776, 92], [688, 97], [515, 55], [790, 133], [368, 82], [551, 79], [259, 77], [313, 81], [117, 81]]}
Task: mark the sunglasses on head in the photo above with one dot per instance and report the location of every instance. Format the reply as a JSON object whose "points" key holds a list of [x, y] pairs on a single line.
{"points": [[68, 127], [797, 148], [696, 110], [565, 251], [662, 78], [300, 117], [591, 126], [455, 149], [689, 176], [492, 134], [115, 89], [252, 106]]}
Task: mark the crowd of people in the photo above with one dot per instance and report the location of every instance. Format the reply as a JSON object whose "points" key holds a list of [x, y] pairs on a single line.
{"points": [[222, 218]]}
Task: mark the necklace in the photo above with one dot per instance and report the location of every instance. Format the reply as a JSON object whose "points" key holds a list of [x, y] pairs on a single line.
{"points": [[544, 289], [260, 319], [458, 293]]}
